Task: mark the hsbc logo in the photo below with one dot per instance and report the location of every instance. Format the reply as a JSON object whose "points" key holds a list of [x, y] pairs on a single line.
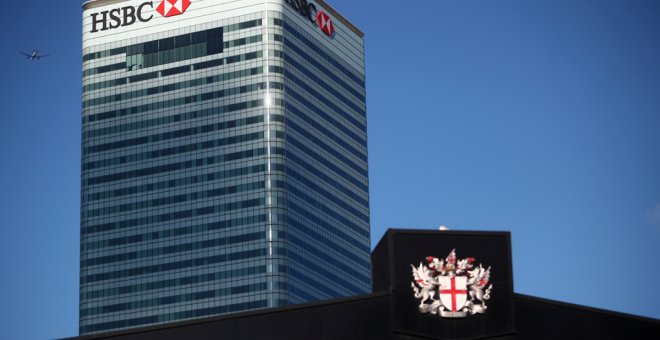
{"points": [[170, 8], [128, 15], [325, 23], [315, 16]]}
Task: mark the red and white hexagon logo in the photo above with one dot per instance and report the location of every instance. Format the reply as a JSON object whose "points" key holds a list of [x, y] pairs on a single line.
{"points": [[170, 8], [325, 23]]}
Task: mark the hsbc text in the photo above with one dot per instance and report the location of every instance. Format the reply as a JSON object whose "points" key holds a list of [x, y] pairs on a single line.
{"points": [[124, 16]]}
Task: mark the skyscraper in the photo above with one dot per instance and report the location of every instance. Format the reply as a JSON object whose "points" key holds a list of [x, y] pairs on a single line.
{"points": [[224, 159]]}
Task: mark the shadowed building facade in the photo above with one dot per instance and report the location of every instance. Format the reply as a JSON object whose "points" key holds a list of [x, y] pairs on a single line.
{"points": [[224, 159]]}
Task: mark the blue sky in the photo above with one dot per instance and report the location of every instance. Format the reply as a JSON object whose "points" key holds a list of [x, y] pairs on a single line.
{"points": [[537, 117]]}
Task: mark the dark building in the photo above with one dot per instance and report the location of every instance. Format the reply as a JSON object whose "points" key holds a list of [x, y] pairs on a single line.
{"points": [[393, 311]]}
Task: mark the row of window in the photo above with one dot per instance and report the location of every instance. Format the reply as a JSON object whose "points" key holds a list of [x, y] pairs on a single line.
{"points": [[185, 84], [299, 114], [332, 213], [299, 294], [183, 40], [176, 150], [321, 192], [317, 266], [175, 70], [173, 249], [327, 102], [188, 264], [176, 199], [173, 183], [323, 223], [176, 102], [310, 107], [326, 178], [318, 65], [124, 50], [320, 287], [312, 184], [104, 69], [189, 115], [125, 143], [171, 216], [176, 232], [171, 71], [313, 233], [326, 86], [329, 179], [179, 166], [168, 300], [178, 282], [326, 162], [173, 49], [186, 148], [331, 150], [114, 325], [332, 258]]}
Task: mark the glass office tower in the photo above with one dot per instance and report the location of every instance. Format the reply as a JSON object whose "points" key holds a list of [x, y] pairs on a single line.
{"points": [[224, 159]]}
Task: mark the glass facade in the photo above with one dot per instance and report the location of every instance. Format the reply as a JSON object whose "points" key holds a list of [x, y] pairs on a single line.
{"points": [[224, 168]]}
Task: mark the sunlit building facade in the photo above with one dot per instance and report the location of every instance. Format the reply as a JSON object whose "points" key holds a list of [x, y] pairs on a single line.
{"points": [[224, 159]]}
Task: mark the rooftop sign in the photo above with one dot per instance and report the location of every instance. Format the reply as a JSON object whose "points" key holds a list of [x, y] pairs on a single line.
{"points": [[315, 16], [128, 15]]}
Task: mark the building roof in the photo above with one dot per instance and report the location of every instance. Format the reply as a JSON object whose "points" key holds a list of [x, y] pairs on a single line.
{"points": [[98, 3], [370, 317]]}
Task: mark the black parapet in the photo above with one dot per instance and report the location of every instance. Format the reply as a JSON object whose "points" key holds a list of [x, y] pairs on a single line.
{"points": [[400, 250], [543, 319], [392, 312]]}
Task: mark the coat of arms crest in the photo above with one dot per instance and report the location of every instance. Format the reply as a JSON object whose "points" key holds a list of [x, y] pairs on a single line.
{"points": [[450, 287]]}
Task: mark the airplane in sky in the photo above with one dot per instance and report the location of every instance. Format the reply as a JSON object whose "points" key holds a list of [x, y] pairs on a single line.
{"points": [[34, 55]]}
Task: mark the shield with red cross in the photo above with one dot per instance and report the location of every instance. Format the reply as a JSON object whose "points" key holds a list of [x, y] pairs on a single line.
{"points": [[453, 292]]}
